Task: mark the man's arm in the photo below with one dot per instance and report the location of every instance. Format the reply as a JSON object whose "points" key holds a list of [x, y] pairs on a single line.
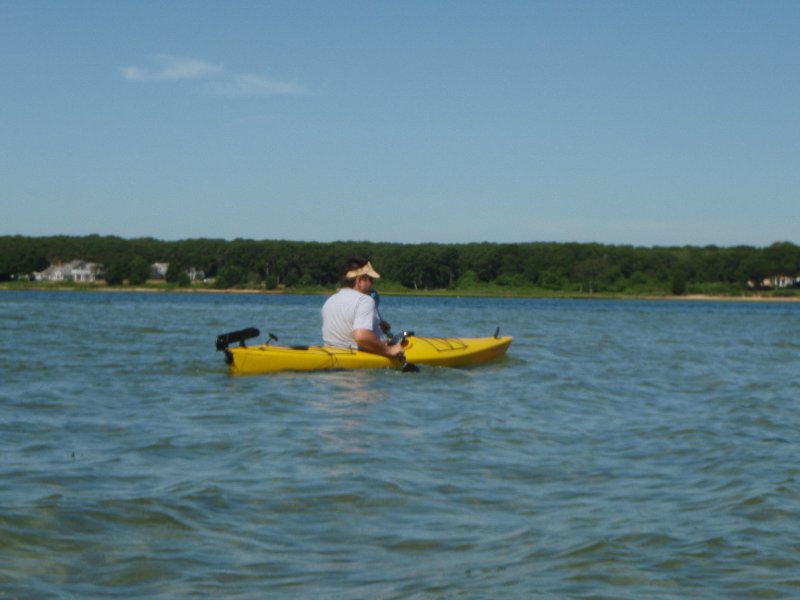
{"points": [[369, 342]]}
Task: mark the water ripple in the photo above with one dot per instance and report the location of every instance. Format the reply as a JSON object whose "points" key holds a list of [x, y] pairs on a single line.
{"points": [[621, 450]]}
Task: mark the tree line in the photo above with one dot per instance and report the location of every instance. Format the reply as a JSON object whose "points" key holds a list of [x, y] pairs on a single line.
{"points": [[574, 267]]}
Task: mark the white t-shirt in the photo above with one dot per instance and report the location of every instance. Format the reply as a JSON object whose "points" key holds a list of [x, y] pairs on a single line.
{"points": [[345, 311]]}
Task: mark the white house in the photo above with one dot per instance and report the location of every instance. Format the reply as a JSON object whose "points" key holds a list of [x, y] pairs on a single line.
{"points": [[77, 270], [777, 281], [159, 270]]}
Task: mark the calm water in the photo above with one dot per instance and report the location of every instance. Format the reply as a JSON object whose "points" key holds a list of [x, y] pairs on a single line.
{"points": [[621, 450]]}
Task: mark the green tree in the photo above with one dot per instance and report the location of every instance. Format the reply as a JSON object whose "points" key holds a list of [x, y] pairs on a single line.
{"points": [[590, 272], [552, 280], [20, 255], [138, 271], [116, 273], [183, 279], [468, 280], [783, 258], [174, 272], [230, 276], [755, 268], [678, 283]]}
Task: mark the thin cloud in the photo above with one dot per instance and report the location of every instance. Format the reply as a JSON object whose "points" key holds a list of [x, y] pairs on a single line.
{"points": [[168, 68], [252, 85]]}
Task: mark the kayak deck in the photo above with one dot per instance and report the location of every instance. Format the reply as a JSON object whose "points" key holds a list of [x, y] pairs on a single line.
{"points": [[440, 352]]}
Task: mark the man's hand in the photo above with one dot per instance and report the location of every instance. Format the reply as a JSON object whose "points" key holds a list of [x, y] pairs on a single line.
{"points": [[395, 351], [369, 342]]}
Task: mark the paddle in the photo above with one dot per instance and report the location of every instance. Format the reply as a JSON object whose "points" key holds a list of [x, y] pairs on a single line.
{"points": [[385, 326], [407, 367]]}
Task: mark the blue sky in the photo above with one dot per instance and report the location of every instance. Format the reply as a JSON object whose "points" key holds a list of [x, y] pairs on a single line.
{"points": [[649, 123]]}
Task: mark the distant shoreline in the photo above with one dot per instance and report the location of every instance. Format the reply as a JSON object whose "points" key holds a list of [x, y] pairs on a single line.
{"points": [[721, 298], [419, 293]]}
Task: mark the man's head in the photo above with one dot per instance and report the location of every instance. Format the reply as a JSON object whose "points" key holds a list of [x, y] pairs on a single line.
{"points": [[358, 274]]}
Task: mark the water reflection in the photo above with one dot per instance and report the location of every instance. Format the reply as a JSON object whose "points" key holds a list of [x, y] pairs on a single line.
{"points": [[346, 400]]}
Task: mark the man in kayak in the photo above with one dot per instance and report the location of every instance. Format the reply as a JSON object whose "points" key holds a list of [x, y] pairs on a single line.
{"points": [[350, 318]]}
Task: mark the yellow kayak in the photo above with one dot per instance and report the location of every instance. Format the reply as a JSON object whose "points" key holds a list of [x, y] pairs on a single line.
{"points": [[439, 352]]}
